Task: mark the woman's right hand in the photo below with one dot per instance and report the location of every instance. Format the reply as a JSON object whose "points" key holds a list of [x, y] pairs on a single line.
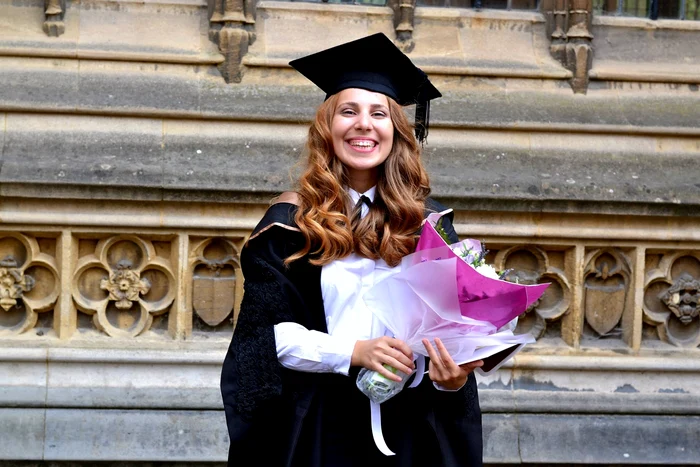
{"points": [[373, 354]]}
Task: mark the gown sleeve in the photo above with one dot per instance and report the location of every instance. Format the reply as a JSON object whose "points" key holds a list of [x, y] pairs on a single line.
{"points": [[251, 373]]}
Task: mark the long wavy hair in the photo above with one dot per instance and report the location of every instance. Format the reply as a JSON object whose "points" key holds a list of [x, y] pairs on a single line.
{"points": [[388, 231]]}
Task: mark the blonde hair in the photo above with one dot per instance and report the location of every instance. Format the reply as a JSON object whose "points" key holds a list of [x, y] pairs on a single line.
{"points": [[388, 231]]}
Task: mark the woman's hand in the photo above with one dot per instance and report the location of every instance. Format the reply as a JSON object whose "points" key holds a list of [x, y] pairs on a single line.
{"points": [[373, 354], [444, 371]]}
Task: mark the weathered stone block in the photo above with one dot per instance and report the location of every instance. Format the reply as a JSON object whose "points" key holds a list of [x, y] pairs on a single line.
{"points": [[23, 380], [609, 439], [22, 433], [128, 435], [139, 88], [231, 156], [82, 150]]}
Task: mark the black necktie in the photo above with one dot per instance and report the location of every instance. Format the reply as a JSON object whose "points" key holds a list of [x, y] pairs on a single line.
{"points": [[357, 210]]}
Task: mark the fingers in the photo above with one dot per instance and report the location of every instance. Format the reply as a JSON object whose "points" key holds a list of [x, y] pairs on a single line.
{"points": [[402, 347], [380, 353], [444, 354], [397, 354], [443, 370], [440, 357], [434, 357], [471, 366], [384, 371]]}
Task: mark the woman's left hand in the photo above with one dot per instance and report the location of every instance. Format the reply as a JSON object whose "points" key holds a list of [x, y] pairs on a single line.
{"points": [[444, 371]]}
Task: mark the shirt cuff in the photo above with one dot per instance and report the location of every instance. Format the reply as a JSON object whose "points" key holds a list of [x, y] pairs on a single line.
{"points": [[444, 389]]}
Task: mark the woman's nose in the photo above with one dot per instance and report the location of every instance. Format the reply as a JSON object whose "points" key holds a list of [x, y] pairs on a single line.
{"points": [[363, 122]]}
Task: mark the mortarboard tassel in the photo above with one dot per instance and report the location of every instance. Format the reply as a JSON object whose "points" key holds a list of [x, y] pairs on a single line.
{"points": [[422, 121]]}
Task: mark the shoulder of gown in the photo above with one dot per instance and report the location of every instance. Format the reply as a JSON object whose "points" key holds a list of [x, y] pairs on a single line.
{"points": [[432, 206], [277, 216]]}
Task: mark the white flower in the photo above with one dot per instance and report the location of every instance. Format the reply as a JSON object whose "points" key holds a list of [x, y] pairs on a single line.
{"points": [[488, 271]]}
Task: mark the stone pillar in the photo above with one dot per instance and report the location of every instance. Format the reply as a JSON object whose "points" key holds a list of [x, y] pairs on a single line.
{"points": [[404, 12], [568, 27], [54, 12], [231, 25]]}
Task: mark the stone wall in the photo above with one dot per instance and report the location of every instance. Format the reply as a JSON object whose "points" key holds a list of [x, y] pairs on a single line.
{"points": [[141, 141]]}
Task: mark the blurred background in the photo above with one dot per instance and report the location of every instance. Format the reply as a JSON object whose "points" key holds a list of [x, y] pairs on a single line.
{"points": [[141, 141]]}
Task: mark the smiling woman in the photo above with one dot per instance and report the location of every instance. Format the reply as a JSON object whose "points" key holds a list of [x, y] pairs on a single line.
{"points": [[304, 330]]}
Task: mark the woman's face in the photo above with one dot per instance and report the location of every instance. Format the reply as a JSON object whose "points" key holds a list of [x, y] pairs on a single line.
{"points": [[362, 133]]}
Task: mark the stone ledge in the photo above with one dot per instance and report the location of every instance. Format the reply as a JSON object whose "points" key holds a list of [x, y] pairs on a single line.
{"points": [[175, 161], [169, 31], [440, 36], [608, 70], [143, 379], [281, 95], [71, 404], [642, 50], [201, 436]]}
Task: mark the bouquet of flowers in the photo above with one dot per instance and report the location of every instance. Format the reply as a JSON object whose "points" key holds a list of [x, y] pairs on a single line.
{"points": [[448, 291]]}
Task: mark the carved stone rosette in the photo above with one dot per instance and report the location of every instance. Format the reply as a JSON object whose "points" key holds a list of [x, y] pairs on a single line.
{"points": [[530, 265], [606, 286], [216, 279], [672, 297], [123, 285], [29, 283]]}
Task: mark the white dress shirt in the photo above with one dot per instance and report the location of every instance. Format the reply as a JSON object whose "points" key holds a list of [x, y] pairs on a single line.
{"points": [[343, 283], [348, 319]]}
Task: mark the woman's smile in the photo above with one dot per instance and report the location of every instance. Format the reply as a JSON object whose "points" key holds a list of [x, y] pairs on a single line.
{"points": [[362, 145]]}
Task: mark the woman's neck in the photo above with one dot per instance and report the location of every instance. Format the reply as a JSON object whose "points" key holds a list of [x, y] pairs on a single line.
{"points": [[362, 183]]}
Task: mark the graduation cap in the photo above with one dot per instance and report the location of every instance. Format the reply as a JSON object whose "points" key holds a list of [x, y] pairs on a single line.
{"points": [[375, 64]]}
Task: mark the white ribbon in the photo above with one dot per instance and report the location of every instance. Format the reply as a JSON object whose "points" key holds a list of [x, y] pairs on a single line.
{"points": [[419, 371], [376, 411], [376, 417]]}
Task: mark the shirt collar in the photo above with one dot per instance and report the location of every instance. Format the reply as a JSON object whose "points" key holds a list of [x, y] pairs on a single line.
{"points": [[355, 196]]}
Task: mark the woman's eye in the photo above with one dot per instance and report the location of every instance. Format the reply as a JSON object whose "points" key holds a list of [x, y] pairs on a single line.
{"points": [[379, 114], [347, 112]]}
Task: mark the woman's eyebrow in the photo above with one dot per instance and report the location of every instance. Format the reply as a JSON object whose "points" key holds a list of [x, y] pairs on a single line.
{"points": [[372, 106], [379, 106]]}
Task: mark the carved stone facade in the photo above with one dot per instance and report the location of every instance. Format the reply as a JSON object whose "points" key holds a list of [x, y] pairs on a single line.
{"points": [[54, 25], [29, 282], [568, 23], [671, 293], [140, 143]]}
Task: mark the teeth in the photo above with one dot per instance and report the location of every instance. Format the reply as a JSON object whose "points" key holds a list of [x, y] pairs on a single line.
{"points": [[362, 144]]}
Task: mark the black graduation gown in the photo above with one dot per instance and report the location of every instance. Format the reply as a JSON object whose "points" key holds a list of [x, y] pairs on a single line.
{"points": [[280, 417]]}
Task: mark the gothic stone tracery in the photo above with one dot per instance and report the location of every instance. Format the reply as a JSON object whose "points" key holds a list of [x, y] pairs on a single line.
{"points": [[671, 295], [28, 283]]}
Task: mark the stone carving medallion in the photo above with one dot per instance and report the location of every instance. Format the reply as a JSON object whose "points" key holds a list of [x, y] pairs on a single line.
{"points": [[123, 285], [605, 285], [29, 283], [530, 265], [671, 296], [13, 282], [682, 298], [215, 263]]}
